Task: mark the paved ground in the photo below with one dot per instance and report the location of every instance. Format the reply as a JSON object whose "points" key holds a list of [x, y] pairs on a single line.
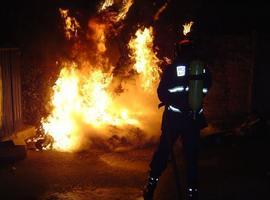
{"points": [[234, 169]]}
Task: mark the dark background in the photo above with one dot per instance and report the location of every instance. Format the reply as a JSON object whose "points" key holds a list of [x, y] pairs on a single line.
{"points": [[22, 20]]}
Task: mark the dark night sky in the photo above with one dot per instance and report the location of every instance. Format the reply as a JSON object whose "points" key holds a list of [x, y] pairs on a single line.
{"points": [[23, 20]]}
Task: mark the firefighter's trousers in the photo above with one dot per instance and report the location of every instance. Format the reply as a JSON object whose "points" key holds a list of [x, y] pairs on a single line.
{"points": [[174, 126]]}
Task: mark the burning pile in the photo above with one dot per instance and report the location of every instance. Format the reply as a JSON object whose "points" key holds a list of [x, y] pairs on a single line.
{"points": [[88, 100]]}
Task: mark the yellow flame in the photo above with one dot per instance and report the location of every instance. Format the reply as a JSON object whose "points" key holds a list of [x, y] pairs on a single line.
{"points": [[146, 61], [84, 97], [71, 24], [81, 98], [187, 27], [126, 4], [105, 5], [123, 10]]}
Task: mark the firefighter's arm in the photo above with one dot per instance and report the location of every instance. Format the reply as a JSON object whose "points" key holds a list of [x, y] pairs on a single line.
{"points": [[162, 91]]}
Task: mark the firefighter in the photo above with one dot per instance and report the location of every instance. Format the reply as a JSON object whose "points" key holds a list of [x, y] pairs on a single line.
{"points": [[176, 93]]}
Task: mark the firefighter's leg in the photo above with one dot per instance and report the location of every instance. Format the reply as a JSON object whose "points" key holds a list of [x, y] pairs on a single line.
{"points": [[159, 162], [161, 155], [191, 136]]}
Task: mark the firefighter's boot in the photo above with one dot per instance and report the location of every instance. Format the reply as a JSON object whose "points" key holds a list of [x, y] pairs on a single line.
{"points": [[192, 193], [148, 191]]}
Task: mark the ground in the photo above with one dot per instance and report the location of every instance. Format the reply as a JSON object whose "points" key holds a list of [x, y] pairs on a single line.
{"points": [[229, 169]]}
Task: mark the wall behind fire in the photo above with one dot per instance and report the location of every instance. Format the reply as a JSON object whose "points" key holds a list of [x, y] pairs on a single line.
{"points": [[261, 95], [231, 61], [39, 71]]}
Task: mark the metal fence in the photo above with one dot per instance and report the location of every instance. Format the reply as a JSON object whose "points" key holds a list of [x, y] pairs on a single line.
{"points": [[10, 88]]}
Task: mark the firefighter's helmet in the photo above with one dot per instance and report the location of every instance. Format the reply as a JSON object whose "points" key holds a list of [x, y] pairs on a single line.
{"points": [[187, 38]]}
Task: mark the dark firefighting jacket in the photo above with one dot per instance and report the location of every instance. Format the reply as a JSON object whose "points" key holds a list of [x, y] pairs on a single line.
{"points": [[173, 93]]}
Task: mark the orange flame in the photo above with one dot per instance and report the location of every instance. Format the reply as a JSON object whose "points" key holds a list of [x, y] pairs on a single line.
{"points": [[84, 100], [124, 8], [71, 24], [99, 35], [146, 61], [160, 11], [187, 27]]}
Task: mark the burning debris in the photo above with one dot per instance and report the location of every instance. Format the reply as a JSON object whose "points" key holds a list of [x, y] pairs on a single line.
{"points": [[40, 142], [85, 102], [82, 98]]}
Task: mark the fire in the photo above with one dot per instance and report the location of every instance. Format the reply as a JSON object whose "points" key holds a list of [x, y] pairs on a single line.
{"points": [[146, 61], [85, 99], [160, 11], [126, 4], [187, 27], [71, 24], [123, 8], [82, 99], [105, 5], [99, 35], [60, 124]]}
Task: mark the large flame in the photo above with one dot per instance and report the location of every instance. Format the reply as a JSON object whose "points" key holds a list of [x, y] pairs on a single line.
{"points": [[86, 98], [146, 61], [71, 24], [82, 98]]}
